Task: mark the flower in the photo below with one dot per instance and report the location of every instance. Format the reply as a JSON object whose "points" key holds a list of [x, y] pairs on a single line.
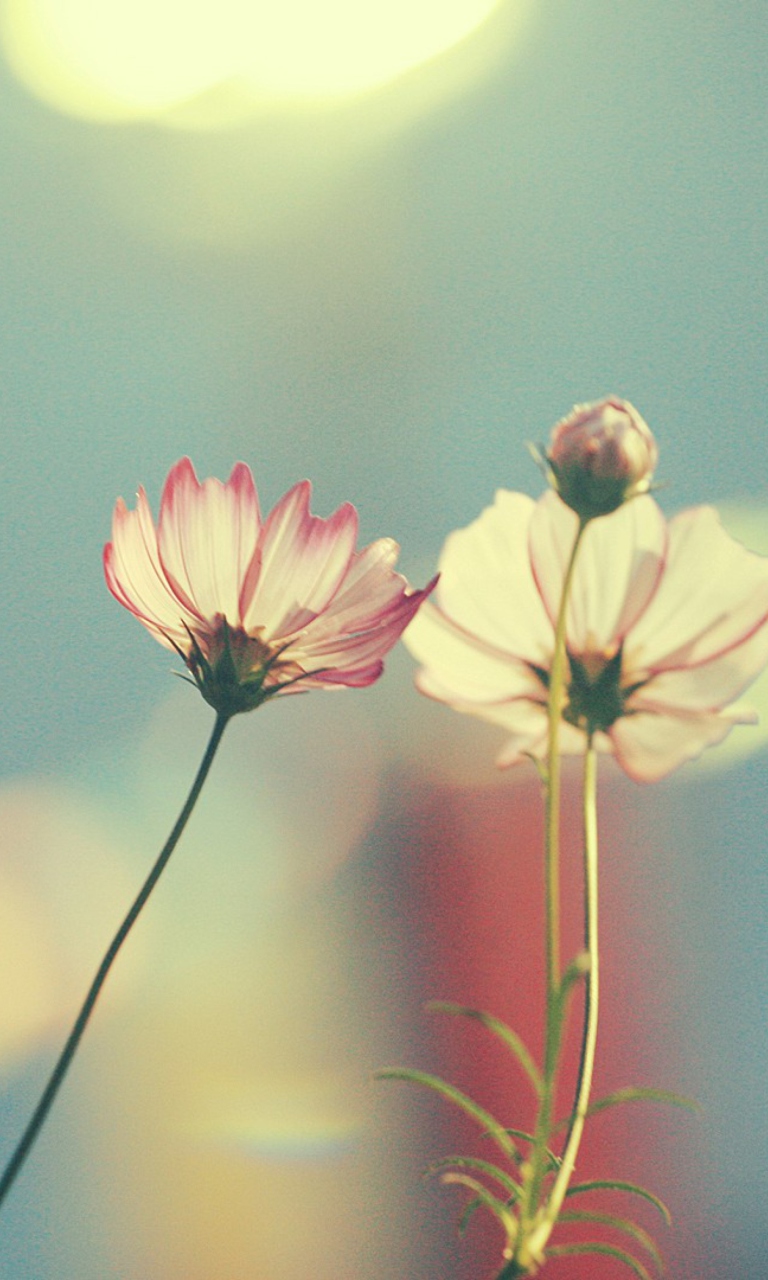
{"points": [[601, 455], [257, 607], [667, 623]]}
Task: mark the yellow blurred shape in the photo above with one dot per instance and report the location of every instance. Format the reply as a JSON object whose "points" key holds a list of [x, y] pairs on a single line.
{"points": [[62, 892], [124, 59], [338, 47], [28, 995], [285, 1116]]}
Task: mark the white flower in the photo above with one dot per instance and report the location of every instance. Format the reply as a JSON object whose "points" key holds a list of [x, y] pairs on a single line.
{"points": [[667, 624]]}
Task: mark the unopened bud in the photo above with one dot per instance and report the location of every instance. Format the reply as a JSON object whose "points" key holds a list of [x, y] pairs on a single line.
{"points": [[601, 455]]}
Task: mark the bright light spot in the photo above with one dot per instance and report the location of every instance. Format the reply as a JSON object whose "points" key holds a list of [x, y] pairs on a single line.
{"points": [[340, 47], [122, 59]]}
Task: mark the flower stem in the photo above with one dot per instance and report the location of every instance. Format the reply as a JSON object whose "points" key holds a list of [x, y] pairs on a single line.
{"points": [[48, 1095], [555, 1001], [591, 1003], [557, 681]]}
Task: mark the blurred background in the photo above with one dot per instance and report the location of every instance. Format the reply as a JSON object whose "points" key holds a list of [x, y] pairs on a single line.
{"points": [[381, 245]]}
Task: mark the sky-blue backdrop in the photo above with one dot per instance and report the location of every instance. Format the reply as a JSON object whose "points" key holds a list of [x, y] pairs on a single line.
{"points": [[393, 313]]}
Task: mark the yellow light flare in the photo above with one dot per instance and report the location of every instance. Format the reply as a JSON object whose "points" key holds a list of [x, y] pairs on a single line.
{"points": [[332, 48], [133, 59]]}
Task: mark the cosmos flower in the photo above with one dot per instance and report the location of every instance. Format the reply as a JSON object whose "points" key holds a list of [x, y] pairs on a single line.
{"points": [[601, 455], [257, 607], [666, 626]]}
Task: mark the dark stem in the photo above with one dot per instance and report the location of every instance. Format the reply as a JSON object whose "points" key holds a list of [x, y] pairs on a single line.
{"points": [[70, 1048]]}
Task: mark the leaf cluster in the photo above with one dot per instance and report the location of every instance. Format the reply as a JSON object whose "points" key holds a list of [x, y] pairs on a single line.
{"points": [[499, 1188]]}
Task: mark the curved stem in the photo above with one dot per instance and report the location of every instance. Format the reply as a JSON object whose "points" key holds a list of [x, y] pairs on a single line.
{"points": [[591, 1002], [48, 1095], [555, 701]]}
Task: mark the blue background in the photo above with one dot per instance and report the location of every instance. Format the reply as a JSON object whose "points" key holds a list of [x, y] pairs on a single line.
{"points": [[391, 304]]}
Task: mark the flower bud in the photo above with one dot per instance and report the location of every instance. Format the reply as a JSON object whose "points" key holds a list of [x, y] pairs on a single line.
{"points": [[601, 455]]}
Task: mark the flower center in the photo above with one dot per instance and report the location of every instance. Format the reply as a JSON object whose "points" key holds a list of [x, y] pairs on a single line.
{"points": [[236, 670], [596, 698]]}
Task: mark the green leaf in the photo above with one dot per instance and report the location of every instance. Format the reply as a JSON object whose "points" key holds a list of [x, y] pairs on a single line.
{"points": [[614, 1184], [568, 1250], [634, 1093], [512, 1188], [467, 1213], [619, 1224], [553, 1160], [484, 1118], [488, 1199], [577, 969], [500, 1029]]}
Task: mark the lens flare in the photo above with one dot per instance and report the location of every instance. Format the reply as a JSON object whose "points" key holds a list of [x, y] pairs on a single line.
{"points": [[133, 59], [281, 1118]]}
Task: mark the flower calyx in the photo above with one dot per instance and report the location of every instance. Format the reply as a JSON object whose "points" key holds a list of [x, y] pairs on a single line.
{"points": [[235, 670], [600, 456], [595, 696]]}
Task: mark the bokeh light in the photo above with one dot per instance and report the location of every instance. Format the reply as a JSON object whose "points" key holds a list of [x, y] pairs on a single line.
{"points": [[62, 889], [133, 59]]}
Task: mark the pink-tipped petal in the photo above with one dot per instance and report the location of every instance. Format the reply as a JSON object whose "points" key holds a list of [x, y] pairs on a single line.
{"points": [[551, 534], [207, 535], [135, 575], [303, 559], [371, 591], [341, 656], [711, 685], [486, 584], [651, 744], [358, 677], [713, 595], [619, 566]]}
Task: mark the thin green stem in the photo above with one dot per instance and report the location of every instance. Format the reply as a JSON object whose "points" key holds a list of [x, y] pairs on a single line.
{"points": [[48, 1095], [555, 1002], [591, 1002], [555, 701]]}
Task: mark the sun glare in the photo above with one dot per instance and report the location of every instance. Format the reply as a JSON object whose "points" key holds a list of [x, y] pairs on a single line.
{"points": [[126, 59]]}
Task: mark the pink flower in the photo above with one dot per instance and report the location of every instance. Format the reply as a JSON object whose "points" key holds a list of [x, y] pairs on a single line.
{"points": [[257, 607], [601, 455], [667, 624]]}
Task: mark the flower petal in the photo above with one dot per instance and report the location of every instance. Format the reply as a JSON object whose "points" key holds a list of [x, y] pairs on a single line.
{"points": [[135, 575], [370, 592], [486, 583], [526, 719], [527, 723], [708, 686], [355, 658], [713, 595], [303, 559], [465, 668], [618, 569], [207, 535], [650, 744]]}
